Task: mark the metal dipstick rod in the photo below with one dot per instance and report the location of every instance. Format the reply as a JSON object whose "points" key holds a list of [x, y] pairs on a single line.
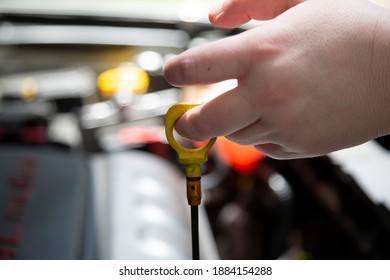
{"points": [[192, 159]]}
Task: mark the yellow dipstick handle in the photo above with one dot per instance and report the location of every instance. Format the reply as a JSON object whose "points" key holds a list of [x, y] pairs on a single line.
{"points": [[191, 158]]}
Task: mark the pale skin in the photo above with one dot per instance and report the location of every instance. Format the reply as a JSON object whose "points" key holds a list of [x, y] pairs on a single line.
{"points": [[313, 79]]}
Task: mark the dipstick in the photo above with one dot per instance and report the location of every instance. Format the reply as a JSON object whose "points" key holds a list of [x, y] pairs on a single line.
{"points": [[192, 159]]}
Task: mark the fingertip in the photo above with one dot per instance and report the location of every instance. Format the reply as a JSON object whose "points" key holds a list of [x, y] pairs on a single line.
{"points": [[168, 70], [172, 72], [216, 10], [186, 128], [228, 14], [214, 14], [223, 21]]}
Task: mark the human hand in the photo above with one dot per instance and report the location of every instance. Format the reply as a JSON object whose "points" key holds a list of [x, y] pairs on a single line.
{"points": [[313, 80]]}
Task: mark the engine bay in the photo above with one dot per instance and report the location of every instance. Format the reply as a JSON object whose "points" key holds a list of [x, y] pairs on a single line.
{"points": [[86, 171]]}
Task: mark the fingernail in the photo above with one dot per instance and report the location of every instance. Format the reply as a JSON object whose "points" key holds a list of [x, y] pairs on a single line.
{"points": [[216, 10]]}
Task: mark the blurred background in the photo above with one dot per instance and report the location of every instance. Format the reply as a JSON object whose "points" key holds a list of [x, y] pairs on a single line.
{"points": [[86, 172]]}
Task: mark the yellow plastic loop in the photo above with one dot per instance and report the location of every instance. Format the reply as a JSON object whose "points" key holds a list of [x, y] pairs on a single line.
{"points": [[192, 158]]}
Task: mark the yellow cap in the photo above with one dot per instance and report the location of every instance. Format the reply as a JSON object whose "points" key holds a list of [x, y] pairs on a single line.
{"points": [[129, 78], [191, 158], [29, 89]]}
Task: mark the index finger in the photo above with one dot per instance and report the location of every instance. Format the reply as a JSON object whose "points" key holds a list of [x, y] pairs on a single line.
{"points": [[210, 63]]}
